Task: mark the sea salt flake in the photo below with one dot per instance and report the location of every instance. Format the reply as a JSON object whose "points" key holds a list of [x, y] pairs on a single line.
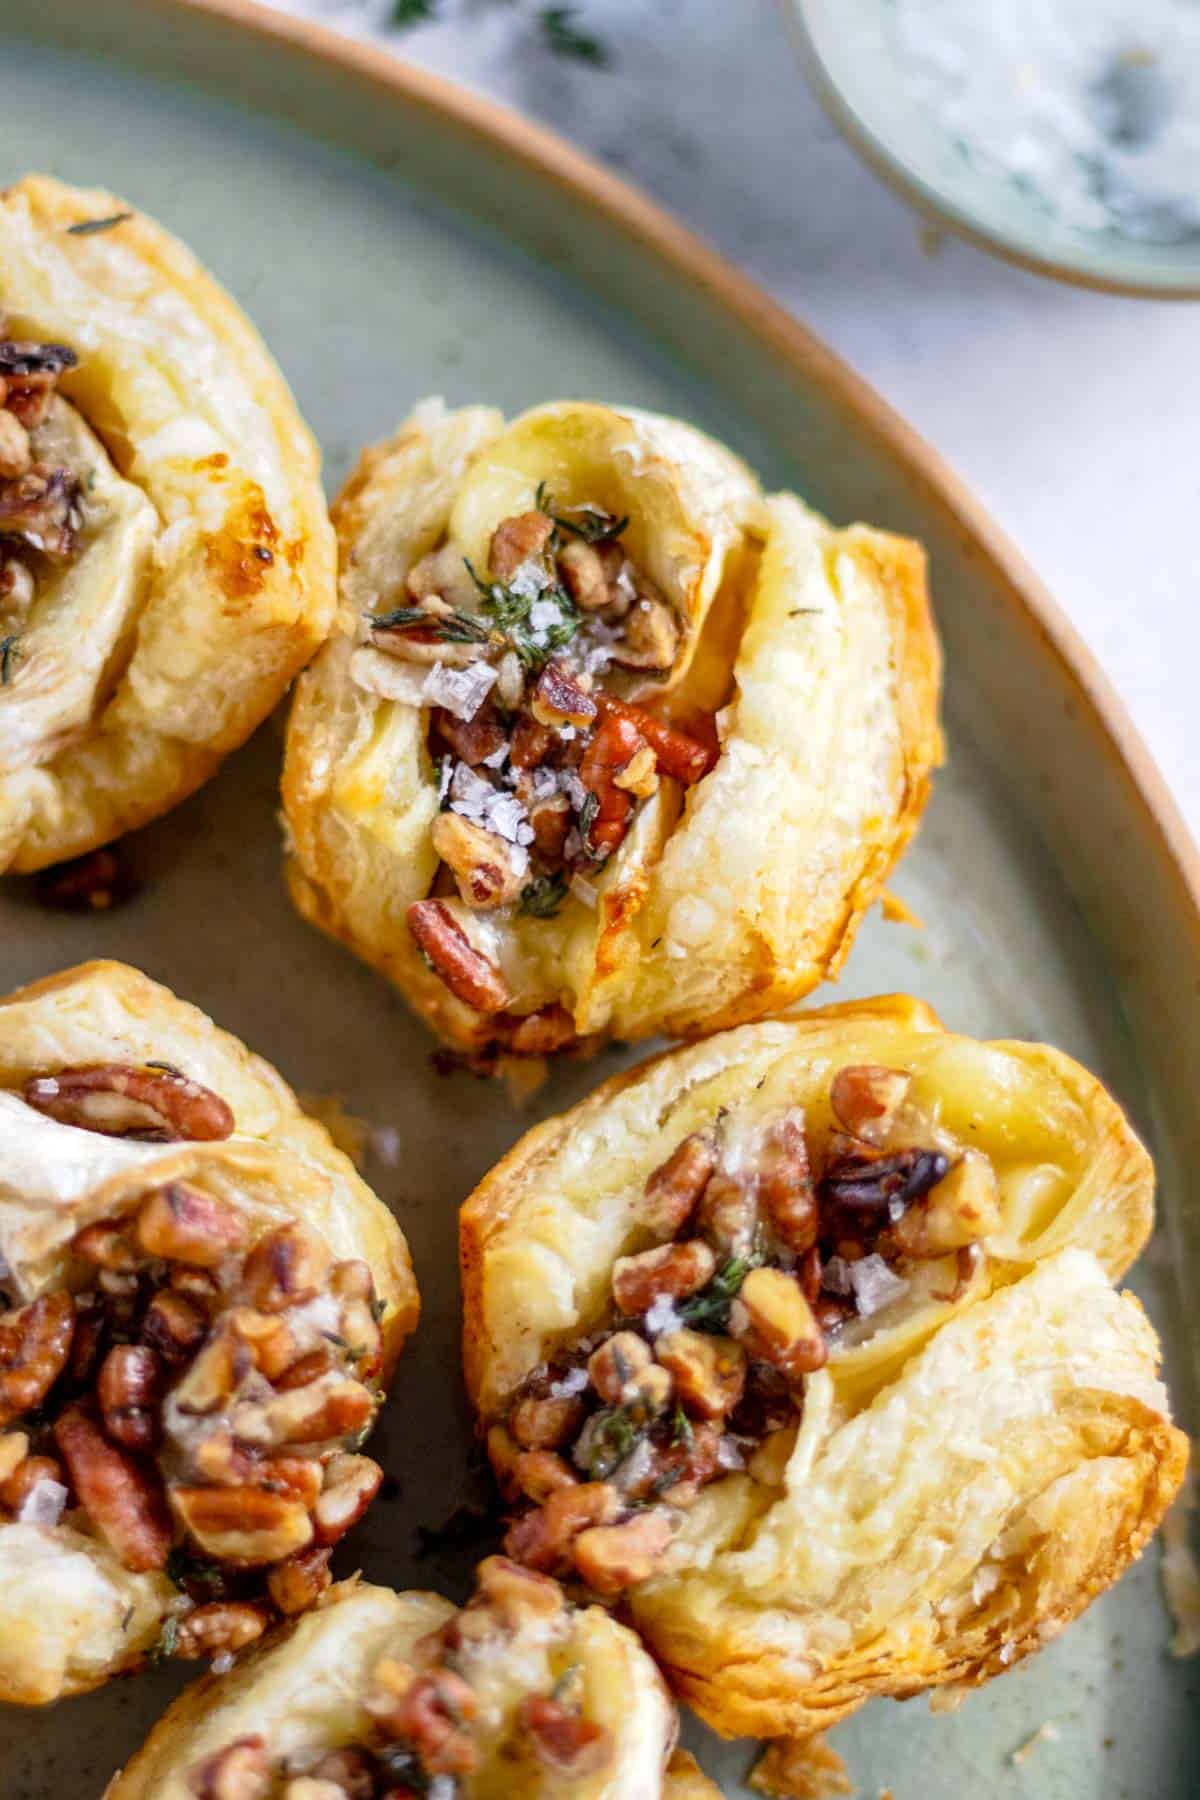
{"points": [[43, 1504], [835, 1276], [874, 1284], [662, 1315], [461, 691], [583, 890], [530, 580], [544, 615], [567, 1386]]}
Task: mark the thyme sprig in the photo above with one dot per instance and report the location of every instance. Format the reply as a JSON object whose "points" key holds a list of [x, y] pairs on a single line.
{"points": [[90, 227], [509, 610], [455, 627], [709, 1309], [10, 655], [613, 1436], [591, 523], [543, 896]]}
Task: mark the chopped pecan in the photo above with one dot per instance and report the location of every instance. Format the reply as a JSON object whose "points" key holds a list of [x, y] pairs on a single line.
{"points": [[432, 1715], [469, 975], [213, 1375], [639, 777], [223, 1625], [349, 1770], [106, 1246], [785, 1183], [728, 1214], [314, 1414], [15, 454], [40, 508], [673, 1190], [544, 1423], [516, 541], [962, 1208], [772, 1320], [709, 1372], [351, 1483], [470, 739], [129, 1390], [246, 1526], [563, 1739], [550, 822], [590, 572], [614, 1368], [267, 1336], [305, 1369], [866, 1098], [30, 373], [34, 1345], [540, 1473], [481, 862], [180, 1223], [298, 1583], [91, 1335], [29, 1475], [123, 1501], [515, 1594], [285, 1268], [611, 748], [17, 589], [542, 1033], [241, 1771], [559, 698], [683, 757], [674, 1270], [542, 1539], [123, 1101], [610, 1558], [14, 1448], [531, 742], [651, 639]]}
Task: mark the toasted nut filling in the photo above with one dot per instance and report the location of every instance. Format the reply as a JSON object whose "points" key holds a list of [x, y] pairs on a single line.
{"points": [[199, 1400], [775, 1242], [130, 1102]]}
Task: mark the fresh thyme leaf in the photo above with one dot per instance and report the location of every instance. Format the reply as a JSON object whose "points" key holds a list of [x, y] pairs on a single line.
{"points": [[709, 1309], [587, 818], [591, 523], [681, 1430], [168, 1638], [167, 1068], [185, 1569], [10, 654], [561, 34], [89, 227], [509, 611], [378, 1308], [566, 1681], [341, 1342], [543, 896], [613, 1437], [411, 12], [457, 627]]}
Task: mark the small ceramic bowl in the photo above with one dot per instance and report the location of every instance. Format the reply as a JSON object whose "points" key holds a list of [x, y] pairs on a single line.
{"points": [[852, 60]]}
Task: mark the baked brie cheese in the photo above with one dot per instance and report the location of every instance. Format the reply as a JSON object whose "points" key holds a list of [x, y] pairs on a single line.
{"points": [[376, 1695], [166, 562], [203, 1304], [605, 741], [800, 1342]]}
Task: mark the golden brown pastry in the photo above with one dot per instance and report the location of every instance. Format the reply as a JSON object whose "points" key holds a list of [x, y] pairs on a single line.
{"points": [[205, 1305], [516, 1696], [166, 563], [605, 742], [800, 1339]]}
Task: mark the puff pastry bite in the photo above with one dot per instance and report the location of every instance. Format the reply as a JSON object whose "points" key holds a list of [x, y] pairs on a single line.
{"points": [[801, 1340], [515, 1696], [605, 740], [166, 562], [204, 1304]]}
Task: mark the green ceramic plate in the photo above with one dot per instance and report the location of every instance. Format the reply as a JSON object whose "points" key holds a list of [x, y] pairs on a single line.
{"points": [[394, 237], [849, 51]]}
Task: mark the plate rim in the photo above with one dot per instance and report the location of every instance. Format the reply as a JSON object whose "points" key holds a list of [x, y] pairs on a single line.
{"points": [[658, 235]]}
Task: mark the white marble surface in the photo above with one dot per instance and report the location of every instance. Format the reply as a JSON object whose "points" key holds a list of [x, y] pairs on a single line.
{"points": [[1073, 416]]}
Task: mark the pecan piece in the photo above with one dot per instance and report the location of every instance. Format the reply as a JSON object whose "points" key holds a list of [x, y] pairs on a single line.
{"points": [[34, 1345], [427, 1713], [313, 1414], [866, 1098], [615, 1367], [651, 638], [241, 1771], [683, 757], [30, 374], [470, 739], [515, 1594], [174, 1326], [480, 861], [221, 1626], [772, 1320], [590, 572], [15, 455], [545, 1423], [298, 1583], [246, 1526], [349, 1771], [107, 1246], [610, 1558], [962, 1208], [351, 1483], [516, 540], [673, 1190], [119, 1496], [611, 748], [540, 1473], [542, 1033], [785, 1183], [531, 742], [559, 698], [180, 1223], [285, 1268], [39, 507], [728, 1212], [563, 1739], [541, 1540], [675, 1271], [709, 1372], [129, 1390], [27, 1478], [122, 1101], [469, 975]]}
